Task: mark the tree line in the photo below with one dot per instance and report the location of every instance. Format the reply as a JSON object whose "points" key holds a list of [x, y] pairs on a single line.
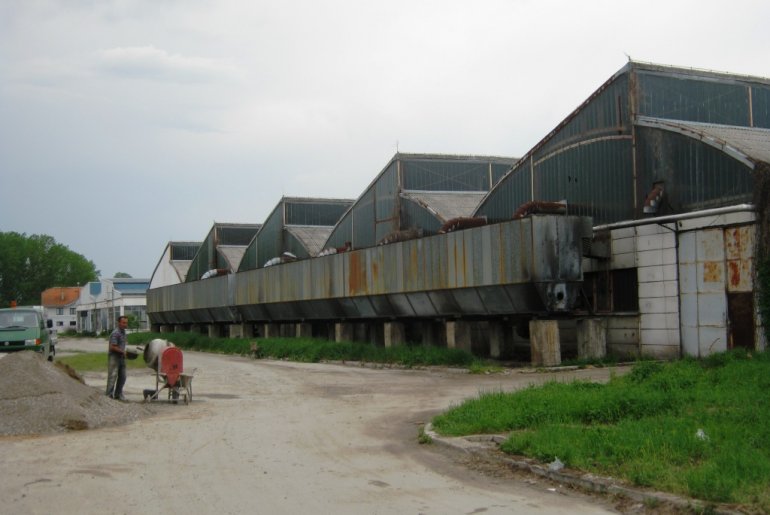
{"points": [[31, 264]]}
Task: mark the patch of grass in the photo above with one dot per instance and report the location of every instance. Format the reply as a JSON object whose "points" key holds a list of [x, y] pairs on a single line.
{"points": [[95, 362], [697, 428], [311, 350]]}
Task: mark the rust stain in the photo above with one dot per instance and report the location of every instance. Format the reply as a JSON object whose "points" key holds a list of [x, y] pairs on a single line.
{"points": [[733, 243], [712, 272], [356, 274], [734, 273]]}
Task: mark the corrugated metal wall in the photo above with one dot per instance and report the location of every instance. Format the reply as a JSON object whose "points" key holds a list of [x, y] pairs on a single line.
{"points": [[696, 175], [760, 97], [697, 100], [586, 162], [204, 260], [589, 160], [377, 212]]}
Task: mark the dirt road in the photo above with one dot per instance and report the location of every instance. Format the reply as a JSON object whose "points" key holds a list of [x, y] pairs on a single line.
{"points": [[277, 437]]}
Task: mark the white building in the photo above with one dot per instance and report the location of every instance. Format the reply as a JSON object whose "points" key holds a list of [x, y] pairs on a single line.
{"points": [[102, 302], [174, 263], [60, 306]]}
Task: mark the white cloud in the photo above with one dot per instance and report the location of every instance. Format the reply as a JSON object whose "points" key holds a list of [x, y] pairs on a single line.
{"points": [[148, 62]]}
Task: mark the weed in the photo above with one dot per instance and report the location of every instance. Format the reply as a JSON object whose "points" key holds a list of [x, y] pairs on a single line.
{"points": [[690, 427]]}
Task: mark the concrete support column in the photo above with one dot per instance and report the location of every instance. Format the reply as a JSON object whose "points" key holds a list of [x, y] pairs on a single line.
{"points": [[393, 334], [214, 331], [592, 338], [166, 328], [272, 331], [544, 339], [303, 330], [235, 331], [500, 340], [181, 328], [155, 328], [247, 330], [343, 332], [196, 328], [458, 335]]}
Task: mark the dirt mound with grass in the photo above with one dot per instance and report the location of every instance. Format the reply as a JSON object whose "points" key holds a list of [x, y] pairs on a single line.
{"points": [[38, 397]]}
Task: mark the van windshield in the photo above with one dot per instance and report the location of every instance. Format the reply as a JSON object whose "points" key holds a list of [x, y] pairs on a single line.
{"points": [[17, 320]]}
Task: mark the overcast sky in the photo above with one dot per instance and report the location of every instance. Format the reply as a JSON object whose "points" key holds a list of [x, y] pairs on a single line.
{"points": [[127, 124]]}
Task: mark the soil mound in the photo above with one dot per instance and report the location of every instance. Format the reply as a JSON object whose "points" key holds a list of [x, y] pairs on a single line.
{"points": [[37, 397]]}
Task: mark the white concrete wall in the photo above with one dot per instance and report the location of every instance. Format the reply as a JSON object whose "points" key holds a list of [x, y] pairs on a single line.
{"points": [[656, 259]]}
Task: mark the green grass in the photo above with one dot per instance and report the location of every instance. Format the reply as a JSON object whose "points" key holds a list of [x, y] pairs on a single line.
{"points": [[310, 350], [95, 362], [644, 426]]}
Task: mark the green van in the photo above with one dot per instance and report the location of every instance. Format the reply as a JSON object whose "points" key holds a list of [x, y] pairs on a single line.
{"points": [[24, 328]]}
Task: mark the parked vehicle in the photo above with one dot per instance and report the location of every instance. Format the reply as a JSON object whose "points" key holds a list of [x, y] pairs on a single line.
{"points": [[25, 328]]}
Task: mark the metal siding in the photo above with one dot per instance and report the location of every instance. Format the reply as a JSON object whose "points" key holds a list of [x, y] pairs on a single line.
{"points": [[760, 101], [315, 213], [445, 175], [363, 222], [545, 248], [607, 113], [696, 100], [595, 179], [249, 260], [385, 195], [696, 175], [413, 215], [269, 238], [342, 232], [512, 192]]}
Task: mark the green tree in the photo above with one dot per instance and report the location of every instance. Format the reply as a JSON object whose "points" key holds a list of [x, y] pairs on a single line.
{"points": [[31, 264], [122, 275]]}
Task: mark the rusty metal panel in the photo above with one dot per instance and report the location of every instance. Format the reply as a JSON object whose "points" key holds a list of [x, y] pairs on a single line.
{"points": [[484, 265], [357, 265], [739, 251]]}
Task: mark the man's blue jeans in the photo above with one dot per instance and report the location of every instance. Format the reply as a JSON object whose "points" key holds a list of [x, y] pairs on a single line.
{"points": [[116, 375]]}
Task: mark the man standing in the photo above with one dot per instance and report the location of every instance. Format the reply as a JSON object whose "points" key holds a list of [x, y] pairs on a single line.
{"points": [[116, 361]]}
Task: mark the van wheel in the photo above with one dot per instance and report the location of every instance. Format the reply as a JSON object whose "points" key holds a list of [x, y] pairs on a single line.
{"points": [[52, 354]]}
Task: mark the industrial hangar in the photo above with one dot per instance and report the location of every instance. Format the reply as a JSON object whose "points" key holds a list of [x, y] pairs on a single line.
{"points": [[631, 229]]}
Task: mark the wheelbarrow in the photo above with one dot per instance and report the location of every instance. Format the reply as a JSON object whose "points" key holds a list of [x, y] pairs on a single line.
{"points": [[169, 374]]}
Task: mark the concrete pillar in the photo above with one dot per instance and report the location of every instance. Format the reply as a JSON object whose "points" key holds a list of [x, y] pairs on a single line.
{"points": [[181, 328], [500, 340], [544, 340], [155, 328], [214, 331], [247, 330], [235, 331], [592, 338], [393, 334], [272, 330], [303, 330], [166, 328], [343, 332], [458, 335]]}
